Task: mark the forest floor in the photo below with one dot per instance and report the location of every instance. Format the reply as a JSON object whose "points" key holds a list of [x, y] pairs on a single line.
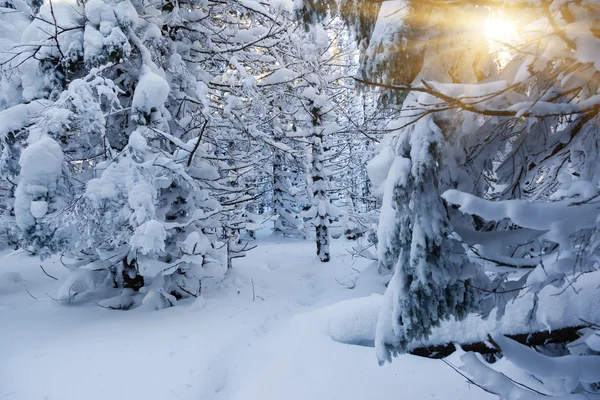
{"points": [[262, 333]]}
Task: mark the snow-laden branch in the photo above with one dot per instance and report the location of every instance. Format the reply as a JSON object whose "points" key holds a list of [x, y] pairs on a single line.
{"points": [[480, 94]]}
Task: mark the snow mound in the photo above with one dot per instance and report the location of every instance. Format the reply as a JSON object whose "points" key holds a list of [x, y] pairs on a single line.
{"points": [[354, 321]]}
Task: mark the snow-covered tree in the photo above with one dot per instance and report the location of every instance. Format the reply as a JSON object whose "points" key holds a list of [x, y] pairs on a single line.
{"points": [[153, 166], [514, 153], [322, 211], [286, 201], [414, 166], [165, 116]]}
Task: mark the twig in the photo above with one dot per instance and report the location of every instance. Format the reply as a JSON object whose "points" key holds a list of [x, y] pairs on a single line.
{"points": [[197, 143], [244, 199], [253, 293], [465, 376], [28, 292], [350, 286], [187, 291], [590, 324], [47, 274], [62, 262], [52, 298], [125, 308]]}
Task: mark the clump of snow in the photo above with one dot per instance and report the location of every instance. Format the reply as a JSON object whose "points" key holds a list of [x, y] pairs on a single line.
{"points": [[582, 189], [151, 92], [573, 369], [153, 32], [196, 242], [320, 100], [126, 13], [379, 166], [309, 93], [279, 76], [19, 116], [141, 197], [39, 208], [137, 141], [41, 167], [255, 6], [558, 218], [122, 302], [93, 41], [35, 81], [41, 160], [320, 36], [97, 11], [149, 238]]}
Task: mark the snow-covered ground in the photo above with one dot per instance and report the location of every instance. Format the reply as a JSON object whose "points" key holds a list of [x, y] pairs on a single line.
{"points": [[261, 334]]}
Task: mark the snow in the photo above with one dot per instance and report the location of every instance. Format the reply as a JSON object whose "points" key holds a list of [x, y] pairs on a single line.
{"points": [[8, 279], [137, 141], [126, 13], [19, 116], [390, 19], [379, 167], [93, 43], [470, 90], [151, 92], [498, 383], [39, 208], [309, 93], [195, 243], [254, 6], [40, 30], [279, 76], [262, 333], [285, 5], [149, 238], [320, 36], [97, 11], [354, 320], [41, 167], [566, 306], [573, 369], [558, 218]]}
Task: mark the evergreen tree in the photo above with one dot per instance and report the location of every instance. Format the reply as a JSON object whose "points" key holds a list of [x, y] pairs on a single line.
{"points": [[322, 210]]}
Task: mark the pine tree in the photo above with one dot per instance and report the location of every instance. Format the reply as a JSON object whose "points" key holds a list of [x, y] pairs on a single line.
{"points": [[318, 178], [285, 198]]}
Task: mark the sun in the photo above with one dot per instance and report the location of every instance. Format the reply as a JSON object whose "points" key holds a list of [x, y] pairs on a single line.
{"points": [[502, 35], [499, 29]]}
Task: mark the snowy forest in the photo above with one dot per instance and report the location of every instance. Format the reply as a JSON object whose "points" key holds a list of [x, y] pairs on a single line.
{"points": [[308, 199]]}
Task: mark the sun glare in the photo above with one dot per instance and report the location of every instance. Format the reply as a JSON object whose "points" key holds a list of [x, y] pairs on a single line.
{"points": [[500, 29], [501, 34]]}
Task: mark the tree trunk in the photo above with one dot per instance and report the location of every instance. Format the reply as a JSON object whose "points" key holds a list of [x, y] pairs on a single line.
{"points": [[322, 243]]}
